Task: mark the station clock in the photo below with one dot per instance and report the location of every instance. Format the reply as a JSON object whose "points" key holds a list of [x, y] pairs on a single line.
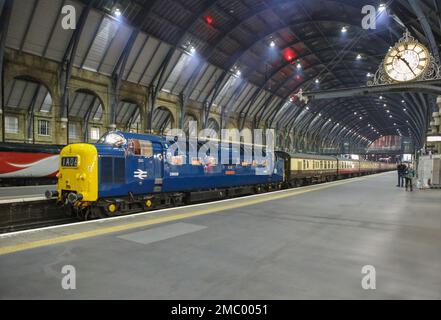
{"points": [[406, 61]]}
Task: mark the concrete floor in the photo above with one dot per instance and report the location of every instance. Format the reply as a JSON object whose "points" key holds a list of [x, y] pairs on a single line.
{"points": [[8, 193], [308, 246]]}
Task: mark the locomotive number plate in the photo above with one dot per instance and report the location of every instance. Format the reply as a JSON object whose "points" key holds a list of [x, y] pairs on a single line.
{"points": [[70, 162]]}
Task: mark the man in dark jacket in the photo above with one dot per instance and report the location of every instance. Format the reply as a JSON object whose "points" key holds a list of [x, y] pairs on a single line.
{"points": [[401, 168]]}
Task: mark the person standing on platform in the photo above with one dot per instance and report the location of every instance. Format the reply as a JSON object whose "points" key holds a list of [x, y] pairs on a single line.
{"points": [[401, 169], [409, 175]]}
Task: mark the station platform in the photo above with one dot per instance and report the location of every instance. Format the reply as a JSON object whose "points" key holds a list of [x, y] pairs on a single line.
{"points": [[304, 243], [23, 193]]}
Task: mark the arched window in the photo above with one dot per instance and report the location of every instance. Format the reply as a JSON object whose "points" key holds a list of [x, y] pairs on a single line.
{"points": [[85, 113], [28, 100], [128, 116], [162, 120]]}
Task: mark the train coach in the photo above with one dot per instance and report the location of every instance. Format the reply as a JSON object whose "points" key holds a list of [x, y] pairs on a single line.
{"points": [[301, 169], [126, 172], [28, 164]]}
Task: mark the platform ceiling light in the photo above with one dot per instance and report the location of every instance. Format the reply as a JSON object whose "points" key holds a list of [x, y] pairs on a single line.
{"points": [[238, 73], [404, 109], [192, 50], [319, 114], [358, 57], [272, 44], [317, 81], [402, 101], [381, 97], [395, 124], [387, 111], [361, 118], [116, 12], [382, 7], [355, 113], [344, 29], [384, 105], [299, 66], [369, 75], [307, 108], [390, 116]]}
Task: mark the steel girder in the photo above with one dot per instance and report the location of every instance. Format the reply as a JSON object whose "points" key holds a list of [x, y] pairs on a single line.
{"points": [[235, 59], [31, 113], [426, 28], [6, 9], [67, 65], [87, 118], [117, 74], [183, 98], [311, 51], [398, 116], [429, 86]]}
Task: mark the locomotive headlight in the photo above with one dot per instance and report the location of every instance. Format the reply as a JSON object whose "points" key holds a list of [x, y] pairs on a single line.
{"points": [[74, 197], [81, 176], [51, 194]]}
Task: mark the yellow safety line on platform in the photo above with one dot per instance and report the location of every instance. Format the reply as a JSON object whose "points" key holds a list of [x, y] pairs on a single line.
{"points": [[107, 230]]}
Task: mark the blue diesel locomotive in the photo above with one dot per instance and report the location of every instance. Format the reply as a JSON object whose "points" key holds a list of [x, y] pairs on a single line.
{"points": [[126, 172]]}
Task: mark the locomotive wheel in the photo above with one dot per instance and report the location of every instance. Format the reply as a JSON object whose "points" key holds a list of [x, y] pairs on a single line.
{"points": [[107, 210], [112, 208]]}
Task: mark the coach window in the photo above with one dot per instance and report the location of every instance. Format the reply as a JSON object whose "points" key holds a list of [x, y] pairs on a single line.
{"points": [[177, 159], [196, 161]]}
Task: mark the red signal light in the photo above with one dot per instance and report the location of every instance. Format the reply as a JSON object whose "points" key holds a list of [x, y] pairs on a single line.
{"points": [[289, 54], [209, 19]]}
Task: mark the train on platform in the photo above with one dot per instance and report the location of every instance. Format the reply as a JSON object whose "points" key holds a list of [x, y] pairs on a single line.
{"points": [[125, 173], [28, 164]]}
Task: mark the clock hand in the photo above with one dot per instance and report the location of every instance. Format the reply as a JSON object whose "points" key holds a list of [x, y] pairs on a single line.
{"points": [[406, 62]]}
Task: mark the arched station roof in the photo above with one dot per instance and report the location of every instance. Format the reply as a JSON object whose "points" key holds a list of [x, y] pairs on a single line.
{"points": [[249, 56]]}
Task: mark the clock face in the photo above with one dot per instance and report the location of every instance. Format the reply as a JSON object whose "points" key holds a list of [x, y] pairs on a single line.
{"points": [[406, 61]]}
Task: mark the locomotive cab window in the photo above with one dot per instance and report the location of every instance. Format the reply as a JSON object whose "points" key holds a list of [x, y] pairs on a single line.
{"points": [[142, 148]]}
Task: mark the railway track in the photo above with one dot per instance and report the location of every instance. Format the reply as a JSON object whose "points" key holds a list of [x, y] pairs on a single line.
{"points": [[29, 215]]}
